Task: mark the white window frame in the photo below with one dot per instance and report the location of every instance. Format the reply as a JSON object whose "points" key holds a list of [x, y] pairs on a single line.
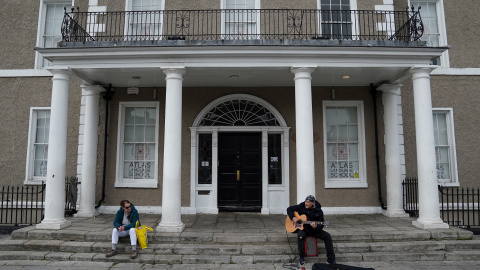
{"points": [[129, 7], [442, 30], [42, 14], [361, 181], [454, 181], [139, 183], [30, 179], [353, 6], [223, 5]]}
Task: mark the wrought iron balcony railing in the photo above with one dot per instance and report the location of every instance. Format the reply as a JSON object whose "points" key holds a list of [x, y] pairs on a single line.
{"points": [[240, 24]]}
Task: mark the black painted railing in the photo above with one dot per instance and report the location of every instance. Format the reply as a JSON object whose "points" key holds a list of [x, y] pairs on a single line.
{"points": [[25, 205], [459, 206], [241, 24]]}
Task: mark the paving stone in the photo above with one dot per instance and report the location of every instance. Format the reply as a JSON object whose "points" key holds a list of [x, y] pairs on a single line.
{"points": [[76, 246], [58, 256], [46, 245], [205, 259], [189, 249], [196, 236], [239, 237]]}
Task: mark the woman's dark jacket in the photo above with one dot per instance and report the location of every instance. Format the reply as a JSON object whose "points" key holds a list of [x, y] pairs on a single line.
{"points": [[133, 217]]}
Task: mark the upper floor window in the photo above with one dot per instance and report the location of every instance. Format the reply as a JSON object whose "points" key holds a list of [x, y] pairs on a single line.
{"points": [[37, 149], [336, 18], [137, 156], [433, 19], [445, 153], [49, 26], [145, 25], [344, 144], [241, 20]]}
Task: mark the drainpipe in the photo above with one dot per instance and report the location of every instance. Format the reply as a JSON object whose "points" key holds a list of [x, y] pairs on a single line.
{"points": [[108, 96], [373, 92]]}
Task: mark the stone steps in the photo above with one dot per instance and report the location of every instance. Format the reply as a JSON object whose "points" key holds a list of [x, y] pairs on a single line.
{"points": [[378, 239]]}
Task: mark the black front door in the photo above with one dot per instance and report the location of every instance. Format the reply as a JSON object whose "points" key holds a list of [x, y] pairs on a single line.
{"points": [[239, 171]]}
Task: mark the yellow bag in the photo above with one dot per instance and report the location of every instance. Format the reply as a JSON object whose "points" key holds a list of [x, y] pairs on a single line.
{"points": [[142, 235]]}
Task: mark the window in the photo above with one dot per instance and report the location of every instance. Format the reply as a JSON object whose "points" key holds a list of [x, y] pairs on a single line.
{"points": [[240, 19], [433, 20], [137, 156], [445, 146], [147, 24], [336, 19], [49, 26], [204, 158], [37, 152], [274, 159], [344, 144]]}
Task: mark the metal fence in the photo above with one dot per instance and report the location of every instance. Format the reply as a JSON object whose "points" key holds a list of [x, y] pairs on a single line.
{"points": [[25, 205], [459, 206], [242, 24]]}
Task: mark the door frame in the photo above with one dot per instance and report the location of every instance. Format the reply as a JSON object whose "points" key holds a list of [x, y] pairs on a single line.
{"points": [[203, 197]]}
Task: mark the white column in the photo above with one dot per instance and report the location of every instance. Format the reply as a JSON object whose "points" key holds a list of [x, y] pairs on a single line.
{"points": [[89, 153], [392, 151], [428, 202], [304, 132], [57, 158], [172, 152]]}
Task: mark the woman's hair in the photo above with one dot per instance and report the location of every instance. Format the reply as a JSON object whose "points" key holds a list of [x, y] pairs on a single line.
{"points": [[123, 202]]}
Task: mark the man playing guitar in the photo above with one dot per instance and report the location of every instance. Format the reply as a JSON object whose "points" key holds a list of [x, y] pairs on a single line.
{"points": [[313, 210]]}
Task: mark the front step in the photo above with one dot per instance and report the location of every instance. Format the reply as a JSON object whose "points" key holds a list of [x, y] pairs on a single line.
{"points": [[243, 239]]}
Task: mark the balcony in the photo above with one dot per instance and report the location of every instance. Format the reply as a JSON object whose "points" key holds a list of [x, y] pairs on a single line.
{"points": [[298, 27]]}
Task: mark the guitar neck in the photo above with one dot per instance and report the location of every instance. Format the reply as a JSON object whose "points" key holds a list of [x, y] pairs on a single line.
{"points": [[311, 222]]}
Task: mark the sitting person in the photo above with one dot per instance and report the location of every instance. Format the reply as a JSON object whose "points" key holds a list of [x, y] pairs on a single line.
{"points": [[123, 225], [313, 210]]}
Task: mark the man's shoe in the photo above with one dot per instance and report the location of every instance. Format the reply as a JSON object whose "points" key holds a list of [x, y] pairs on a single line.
{"points": [[111, 253], [301, 261], [134, 254], [334, 262]]}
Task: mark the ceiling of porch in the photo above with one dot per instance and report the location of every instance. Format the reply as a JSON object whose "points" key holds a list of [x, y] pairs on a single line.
{"points": [[241, 76]]}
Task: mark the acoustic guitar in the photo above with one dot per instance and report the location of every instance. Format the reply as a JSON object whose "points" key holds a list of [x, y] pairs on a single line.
{"points": [[292, 227]]}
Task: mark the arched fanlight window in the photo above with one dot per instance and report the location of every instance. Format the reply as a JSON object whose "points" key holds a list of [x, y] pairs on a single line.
{"points": [[239, 112]]}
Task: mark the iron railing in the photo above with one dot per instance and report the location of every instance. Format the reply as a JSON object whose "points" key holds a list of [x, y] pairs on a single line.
{"points": [[410, 196], [241, 24], [25, 205], [458, 206]]}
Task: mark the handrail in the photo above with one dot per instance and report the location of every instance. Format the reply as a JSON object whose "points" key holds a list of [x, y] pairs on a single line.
{"points": [[241, 24]]}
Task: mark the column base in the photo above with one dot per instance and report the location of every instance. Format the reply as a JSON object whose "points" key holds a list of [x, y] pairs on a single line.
{"points": [[395, 213], [82, 214], [170, 227], [430, 224], [55, 224]]}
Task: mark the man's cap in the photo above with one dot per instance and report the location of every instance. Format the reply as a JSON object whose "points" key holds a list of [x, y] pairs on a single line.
{"points": [[310, 198]]}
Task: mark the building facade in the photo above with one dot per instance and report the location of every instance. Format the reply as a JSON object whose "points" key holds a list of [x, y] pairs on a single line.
{"points": [[188, 107]]}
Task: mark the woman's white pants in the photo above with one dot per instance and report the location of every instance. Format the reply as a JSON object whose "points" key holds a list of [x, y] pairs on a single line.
{"points": [[116, 234]]}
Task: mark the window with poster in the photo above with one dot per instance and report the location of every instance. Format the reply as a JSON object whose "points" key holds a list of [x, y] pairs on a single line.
{"points": [[137, 149], [344, 144]]}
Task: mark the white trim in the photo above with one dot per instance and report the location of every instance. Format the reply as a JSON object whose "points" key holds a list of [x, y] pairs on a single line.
{"points": [[361, 182], [140, 183], [365, 210], [456, 71], [12, 73], [257, 23], [454, 181]]}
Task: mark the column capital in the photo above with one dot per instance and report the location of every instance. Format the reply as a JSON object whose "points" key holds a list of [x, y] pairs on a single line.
{"points": [[173, 72], [422, 71], [299, 69], [61, 73], [392, 89], [91, 90]]}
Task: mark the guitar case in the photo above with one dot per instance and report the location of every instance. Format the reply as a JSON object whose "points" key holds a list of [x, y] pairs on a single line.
{"points": [[325, 266]]}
